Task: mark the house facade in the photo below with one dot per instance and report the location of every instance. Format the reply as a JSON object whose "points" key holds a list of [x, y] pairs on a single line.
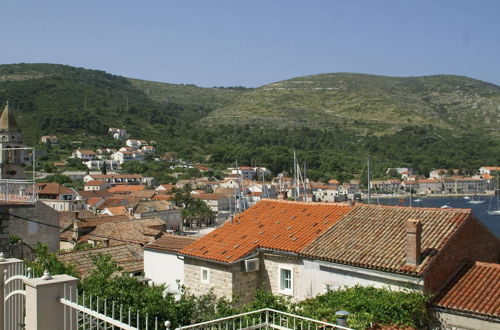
{"points": [[84, 155], [396, 247], [161, 264]]}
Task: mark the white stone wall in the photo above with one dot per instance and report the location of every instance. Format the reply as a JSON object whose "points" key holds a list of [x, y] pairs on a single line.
{"points": [[163, 268], [316, 276], [458, 322]]}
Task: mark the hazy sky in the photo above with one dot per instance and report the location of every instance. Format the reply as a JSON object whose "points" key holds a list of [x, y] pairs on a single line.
{"points": [[251, 43]]}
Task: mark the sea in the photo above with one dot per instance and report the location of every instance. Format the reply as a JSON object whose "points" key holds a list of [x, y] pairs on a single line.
{"points": [[479, 210]]}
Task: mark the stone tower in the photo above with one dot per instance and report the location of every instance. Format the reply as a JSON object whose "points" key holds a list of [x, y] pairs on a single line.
{"points": [[11, 156]]}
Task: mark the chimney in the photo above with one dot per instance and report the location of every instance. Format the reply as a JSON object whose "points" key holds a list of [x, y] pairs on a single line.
{"points": [[413, 241]]}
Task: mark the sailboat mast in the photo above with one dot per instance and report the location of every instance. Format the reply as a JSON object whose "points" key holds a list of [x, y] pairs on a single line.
{"points": [[369, 181], [305, 181]]}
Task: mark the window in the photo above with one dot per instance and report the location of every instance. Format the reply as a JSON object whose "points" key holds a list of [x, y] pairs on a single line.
{"points": [[204, 275], [286, 281]]}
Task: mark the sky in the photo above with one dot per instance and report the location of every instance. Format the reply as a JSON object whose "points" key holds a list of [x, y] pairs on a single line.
{"points": [[252, 43]]}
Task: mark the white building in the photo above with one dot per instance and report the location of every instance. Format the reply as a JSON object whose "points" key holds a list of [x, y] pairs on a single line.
{"points": [[161, 265], [118, 133], [99, 164], [128, 156], [84, 155], [136, 144]]}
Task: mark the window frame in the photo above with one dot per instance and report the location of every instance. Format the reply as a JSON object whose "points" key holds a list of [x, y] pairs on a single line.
{"points": [[281, 280], [203, 280]]}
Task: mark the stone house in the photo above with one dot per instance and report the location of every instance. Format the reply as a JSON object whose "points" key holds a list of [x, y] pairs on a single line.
{"points": [[429, 186], [304, 249], [163, 210], [233, 260]]}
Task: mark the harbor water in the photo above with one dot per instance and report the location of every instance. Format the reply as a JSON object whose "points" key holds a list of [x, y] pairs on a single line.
{"points": [[479, 210]]}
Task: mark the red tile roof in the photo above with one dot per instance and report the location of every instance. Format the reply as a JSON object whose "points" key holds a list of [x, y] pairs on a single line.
{"points": [[53, 188], [126, 188], [140, 231], [475, 289], [374, 237], [129, 257], [95, 183], [117, 210], [170, 243], [271, 224]]}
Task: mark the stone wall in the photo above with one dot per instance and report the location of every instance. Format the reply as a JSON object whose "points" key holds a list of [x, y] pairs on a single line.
{"points": [[270, 273], [220, 278], [45, 230]]}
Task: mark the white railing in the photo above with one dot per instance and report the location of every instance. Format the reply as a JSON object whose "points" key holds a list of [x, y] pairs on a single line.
{"points": [[14, 294], [89, 312], [264, 318], [17, 192]]}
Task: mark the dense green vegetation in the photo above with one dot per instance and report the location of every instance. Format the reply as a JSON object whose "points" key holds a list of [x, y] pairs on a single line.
{"points": [[367, 305], [333, 120]]}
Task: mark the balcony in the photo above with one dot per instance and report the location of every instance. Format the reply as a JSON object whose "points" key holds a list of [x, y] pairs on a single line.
{"points": [[19, 193], [15, 189]]}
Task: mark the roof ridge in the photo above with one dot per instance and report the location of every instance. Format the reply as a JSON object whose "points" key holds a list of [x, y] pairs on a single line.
{"points": [[487, 264], [302, 202], [95, 248], [459, 210]]}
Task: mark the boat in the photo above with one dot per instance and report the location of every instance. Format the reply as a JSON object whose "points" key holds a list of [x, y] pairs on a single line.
{"points": [[446, 206], [497, 195], [467, 197], [475, 201]]}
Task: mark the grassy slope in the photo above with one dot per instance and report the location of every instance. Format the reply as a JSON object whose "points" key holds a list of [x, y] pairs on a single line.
{"points": [[368, 103]]}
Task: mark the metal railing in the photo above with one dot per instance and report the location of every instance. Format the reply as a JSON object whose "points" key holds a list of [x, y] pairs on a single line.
{"points": [[90, 312], [264, 319], [14, 295], [17, 192]]}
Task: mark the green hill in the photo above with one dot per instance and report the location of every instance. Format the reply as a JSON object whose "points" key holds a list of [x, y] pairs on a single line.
{"points": [[368, 103], [332, 120]]}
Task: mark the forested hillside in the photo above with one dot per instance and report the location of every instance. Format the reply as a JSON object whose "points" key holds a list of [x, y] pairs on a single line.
{"points": [[332, 120]]}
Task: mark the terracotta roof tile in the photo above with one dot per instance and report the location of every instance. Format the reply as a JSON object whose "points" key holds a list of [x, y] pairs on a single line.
{"points": [[53, 188], [140, 231], [127, 256], [271, 224], [117, 210], [95, 183], [170, 243], [375, 237], [126, 188], [475, 289]]}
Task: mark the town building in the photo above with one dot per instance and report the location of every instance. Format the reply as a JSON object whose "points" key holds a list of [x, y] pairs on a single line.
{"points": [[49, 139], [95, 185], [471, 298], [59, 197], [84, 154], [302, 249], [129, 257], [160, 256], [118, 133]]}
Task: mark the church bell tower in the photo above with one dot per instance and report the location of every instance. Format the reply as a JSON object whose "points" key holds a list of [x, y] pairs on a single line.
{"points": [[12, 152]]}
